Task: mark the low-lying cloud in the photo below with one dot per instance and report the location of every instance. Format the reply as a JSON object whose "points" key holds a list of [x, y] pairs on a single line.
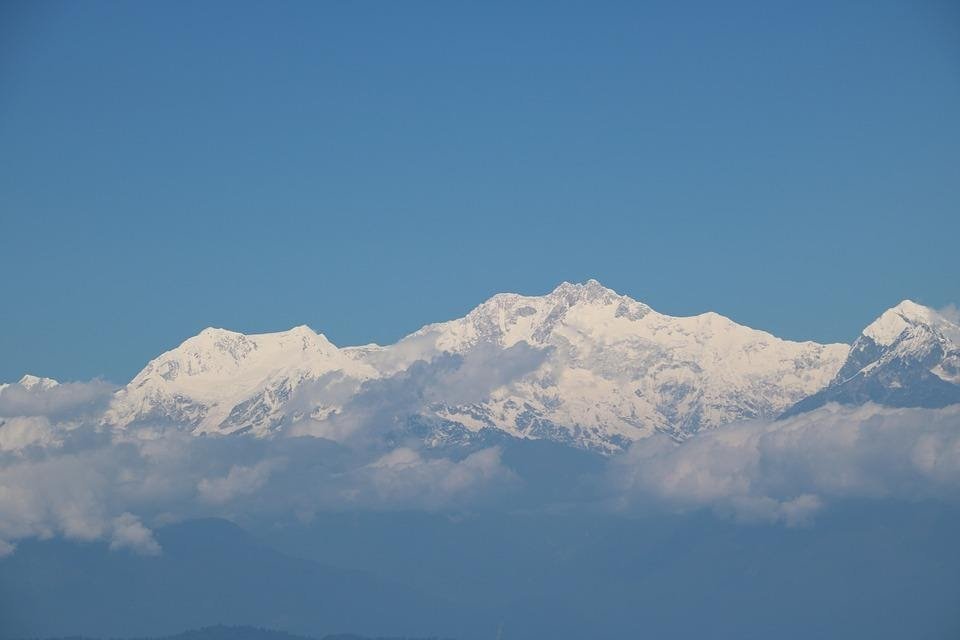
{"points": [[240, 481], [787, 470], [114, 487], [63, 473], [66, 401], [380, 405], [127, 532]]}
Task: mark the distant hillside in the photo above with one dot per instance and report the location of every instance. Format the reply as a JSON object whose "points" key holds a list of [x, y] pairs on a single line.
{"points": [[222, 632], [210, 572]]}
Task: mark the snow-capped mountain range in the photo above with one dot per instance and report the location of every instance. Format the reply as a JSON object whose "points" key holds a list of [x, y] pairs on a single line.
{"points": [[581, 365]]}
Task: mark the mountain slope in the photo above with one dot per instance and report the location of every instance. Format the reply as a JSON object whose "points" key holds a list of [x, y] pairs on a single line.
{"points": [[581, 365], [908, 357]]}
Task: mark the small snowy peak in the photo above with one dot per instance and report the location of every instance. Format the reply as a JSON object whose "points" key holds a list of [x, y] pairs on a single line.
{"points": [[908, 357], [886, 329], [908, 332], [301, 330], [910, 309], [37, 383]]}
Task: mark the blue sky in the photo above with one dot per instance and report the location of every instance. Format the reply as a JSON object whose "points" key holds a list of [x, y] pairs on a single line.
{"points": [[366, 168]]}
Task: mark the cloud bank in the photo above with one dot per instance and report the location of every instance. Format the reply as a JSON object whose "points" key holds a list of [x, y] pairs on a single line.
{"points": [[64, 402], [107, 487], [62, 473], [786, 470], [379, 406]]}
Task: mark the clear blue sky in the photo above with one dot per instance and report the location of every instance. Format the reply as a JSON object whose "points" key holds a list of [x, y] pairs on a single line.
{"points": [[366, 168]]}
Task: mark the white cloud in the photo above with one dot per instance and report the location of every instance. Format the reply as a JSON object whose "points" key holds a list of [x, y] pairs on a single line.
{"points": [[21, 432], [96, 485], [67, 401], [379, 405], [239, 481], [951, 312], [786, 470], [404, 477], [480, 371], [53, 495], [63, 475], [129, 533]]}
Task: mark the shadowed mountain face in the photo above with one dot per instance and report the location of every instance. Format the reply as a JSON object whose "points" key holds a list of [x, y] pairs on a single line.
{"points": [[866, 570]]}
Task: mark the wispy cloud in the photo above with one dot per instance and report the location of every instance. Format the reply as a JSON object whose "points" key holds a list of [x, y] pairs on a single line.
{"points": [[379, 405], [951, 312]]}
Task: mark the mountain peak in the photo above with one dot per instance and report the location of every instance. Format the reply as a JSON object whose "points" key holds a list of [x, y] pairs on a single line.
{"points": [[591, 288], [216, 332], [908, 357], [913, 311], [218, 335], [302, 329], [31, 382], [894, 321]]}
